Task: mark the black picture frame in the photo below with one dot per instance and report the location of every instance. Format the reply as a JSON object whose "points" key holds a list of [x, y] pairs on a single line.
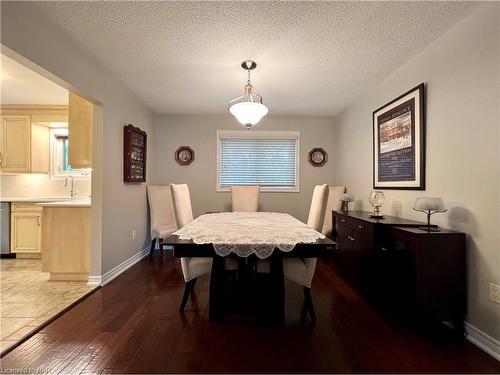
{"points": [[399, 132]]}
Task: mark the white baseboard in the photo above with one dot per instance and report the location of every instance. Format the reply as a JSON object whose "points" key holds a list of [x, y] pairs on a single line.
{"points": [[94, 280], [482, 340], [122, 267]]}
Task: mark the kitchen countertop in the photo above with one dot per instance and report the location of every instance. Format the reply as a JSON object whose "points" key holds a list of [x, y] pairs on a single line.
{"points": [[68, 203], [33, 199]]}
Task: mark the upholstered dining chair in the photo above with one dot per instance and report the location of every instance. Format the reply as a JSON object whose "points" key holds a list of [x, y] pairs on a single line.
{"points": [[161, 216], [301, 270], [333, 203], [192, 268], [245, 198]]}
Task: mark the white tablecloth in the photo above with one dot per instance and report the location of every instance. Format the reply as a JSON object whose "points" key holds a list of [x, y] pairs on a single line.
{"points": [[246, 233]]}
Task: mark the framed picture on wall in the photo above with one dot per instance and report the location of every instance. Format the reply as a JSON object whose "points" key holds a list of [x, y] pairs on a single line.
{"points": [[399, 142]]}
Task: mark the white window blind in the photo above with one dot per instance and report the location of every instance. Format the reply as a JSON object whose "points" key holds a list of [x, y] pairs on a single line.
{"points": [[267, 159]]}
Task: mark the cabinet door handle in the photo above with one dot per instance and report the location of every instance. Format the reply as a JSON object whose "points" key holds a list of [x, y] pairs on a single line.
{"points": [[360, 226], [351, 238], [343, 220], [38, 221]]}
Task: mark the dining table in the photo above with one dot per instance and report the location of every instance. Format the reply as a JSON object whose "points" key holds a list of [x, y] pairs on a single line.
{"points": [[267, 237]]}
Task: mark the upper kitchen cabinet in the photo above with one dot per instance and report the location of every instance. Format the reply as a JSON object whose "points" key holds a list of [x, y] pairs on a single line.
{"points": [[79, 132], [40, 148], [15, 144], [25, 136]]}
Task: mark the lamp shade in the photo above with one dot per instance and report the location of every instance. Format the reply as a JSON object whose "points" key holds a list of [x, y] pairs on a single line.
{"points": [[248, 108], [376, 198], [346, 197], [429, 204], [248, 113]]}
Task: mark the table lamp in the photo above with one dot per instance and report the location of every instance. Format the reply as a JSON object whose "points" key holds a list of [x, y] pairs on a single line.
{"points": [[376, 199], [345, 199], [429, 206]]}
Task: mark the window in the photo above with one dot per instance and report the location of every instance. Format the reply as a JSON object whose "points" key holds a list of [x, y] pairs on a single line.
{"points": [[267, 159], [59, 166]]}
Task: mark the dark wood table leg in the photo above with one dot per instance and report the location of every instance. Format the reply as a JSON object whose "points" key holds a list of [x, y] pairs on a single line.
{"points": [[278, 290], [216, 297]]}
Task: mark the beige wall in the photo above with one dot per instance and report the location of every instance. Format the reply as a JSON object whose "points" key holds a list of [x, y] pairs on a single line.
{"points": [[200, 133], [462, 73], [124, 207]]}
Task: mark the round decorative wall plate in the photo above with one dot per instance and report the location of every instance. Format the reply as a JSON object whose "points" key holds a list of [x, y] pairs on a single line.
{"points": [[318, 157], [184, 155]]}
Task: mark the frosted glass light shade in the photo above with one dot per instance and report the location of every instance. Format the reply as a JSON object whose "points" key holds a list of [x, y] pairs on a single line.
{"points": [[376, 198], [248, 113], [429, 204], [346, 197]]}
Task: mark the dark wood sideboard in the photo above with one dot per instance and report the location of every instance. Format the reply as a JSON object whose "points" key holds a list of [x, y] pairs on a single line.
{"points": [[396, 262]]}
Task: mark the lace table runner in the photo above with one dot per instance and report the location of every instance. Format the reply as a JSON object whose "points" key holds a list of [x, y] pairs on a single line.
{"points": [[246, 233]]}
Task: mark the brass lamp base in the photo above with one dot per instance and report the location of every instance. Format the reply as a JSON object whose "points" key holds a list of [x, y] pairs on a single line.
{"points": [[376, 213]]}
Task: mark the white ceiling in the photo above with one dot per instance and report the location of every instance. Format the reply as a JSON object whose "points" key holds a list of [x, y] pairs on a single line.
{"points": [[313, 57], [20, 85]]}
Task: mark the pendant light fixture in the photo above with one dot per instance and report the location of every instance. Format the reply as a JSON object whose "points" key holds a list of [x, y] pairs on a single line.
{"points": [[248, 108]]}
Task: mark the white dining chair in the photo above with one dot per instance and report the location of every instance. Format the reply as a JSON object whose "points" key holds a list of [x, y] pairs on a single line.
{"points": [[333, 203], [161, 216], [192, 268], [245, 198], [301, 270]]}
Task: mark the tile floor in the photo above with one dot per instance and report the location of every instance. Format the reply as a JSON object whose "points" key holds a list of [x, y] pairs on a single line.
{"points": [[28, 298]]}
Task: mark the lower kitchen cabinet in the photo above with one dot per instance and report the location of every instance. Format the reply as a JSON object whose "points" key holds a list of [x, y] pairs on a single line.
{"points": [[26, 230], [66, 242]]}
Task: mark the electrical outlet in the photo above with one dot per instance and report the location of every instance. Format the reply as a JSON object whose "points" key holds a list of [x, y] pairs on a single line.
{"points": [[134, 233], [494, 292]]}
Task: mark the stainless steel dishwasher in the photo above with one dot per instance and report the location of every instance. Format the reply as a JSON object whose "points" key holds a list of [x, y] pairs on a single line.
{"points": [[5, 230]]}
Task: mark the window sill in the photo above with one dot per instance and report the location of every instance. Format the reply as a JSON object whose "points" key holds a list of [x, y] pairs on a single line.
{"points": [[264, 190]]}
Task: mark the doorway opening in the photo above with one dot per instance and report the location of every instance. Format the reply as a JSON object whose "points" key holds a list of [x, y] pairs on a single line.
{"points": [[51, 197]]}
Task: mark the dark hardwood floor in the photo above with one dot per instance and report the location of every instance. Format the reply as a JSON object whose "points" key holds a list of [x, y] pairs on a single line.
{"points": [[132, 325]]}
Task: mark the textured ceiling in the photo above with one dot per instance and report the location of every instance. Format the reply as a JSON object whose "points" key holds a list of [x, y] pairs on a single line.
{"points": [[313, 57], [20, 85]]}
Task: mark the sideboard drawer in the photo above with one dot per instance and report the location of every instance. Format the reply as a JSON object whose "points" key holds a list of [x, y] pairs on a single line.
{"points": [[355, 224]]}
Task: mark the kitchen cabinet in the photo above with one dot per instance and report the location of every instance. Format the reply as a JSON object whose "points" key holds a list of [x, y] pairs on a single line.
{"points": [[40, 148], [26, 230], [66, 241], [25, 136], [15, 143], [80, 115]]}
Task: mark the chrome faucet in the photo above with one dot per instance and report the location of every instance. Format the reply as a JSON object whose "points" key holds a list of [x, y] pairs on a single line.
{"points": [[72, 193]]}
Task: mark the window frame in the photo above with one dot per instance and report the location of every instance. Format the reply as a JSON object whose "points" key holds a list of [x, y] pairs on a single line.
{"points": [[55, 156], [251, 134]]}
